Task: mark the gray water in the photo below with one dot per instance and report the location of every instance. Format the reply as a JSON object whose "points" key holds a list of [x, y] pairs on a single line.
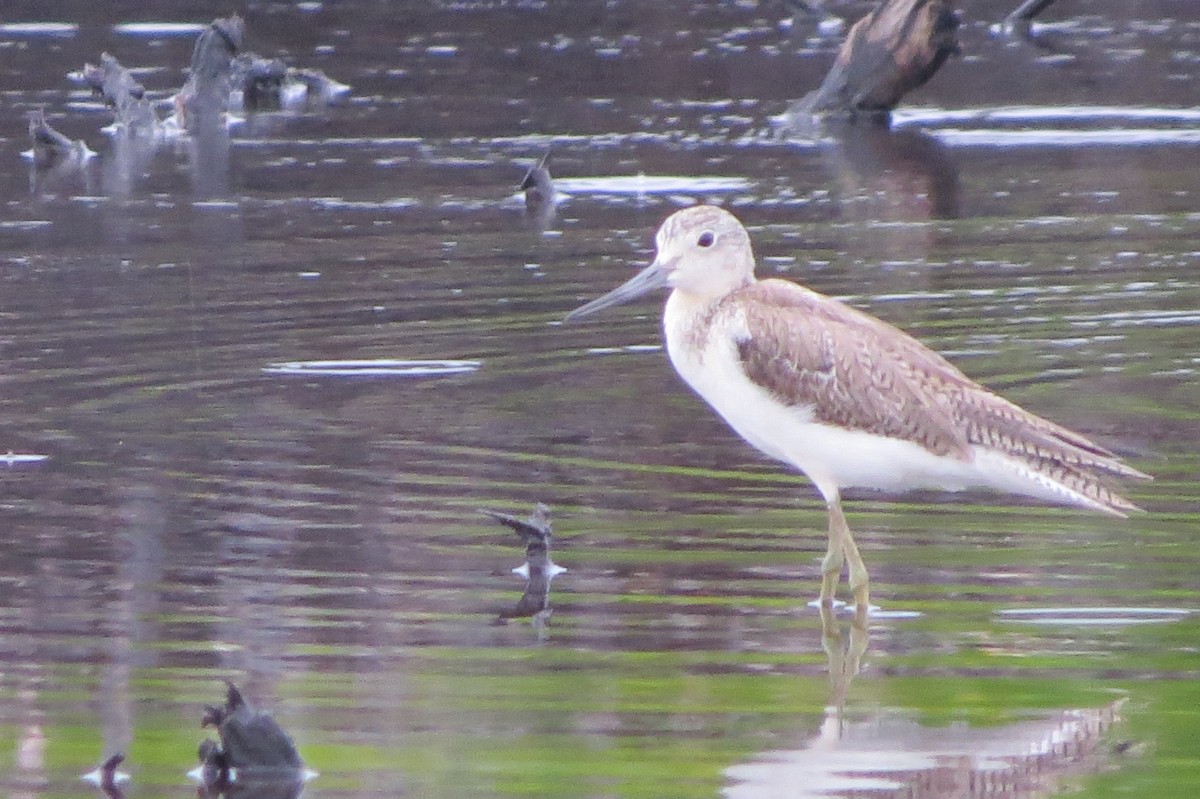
{"points": [[192, 511]]}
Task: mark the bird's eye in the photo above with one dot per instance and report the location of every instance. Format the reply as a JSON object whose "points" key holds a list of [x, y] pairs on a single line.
{"points": [[706, 239]]}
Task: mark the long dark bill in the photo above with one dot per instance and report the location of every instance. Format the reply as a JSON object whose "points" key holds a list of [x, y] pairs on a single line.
{"points": [[652, 277]]}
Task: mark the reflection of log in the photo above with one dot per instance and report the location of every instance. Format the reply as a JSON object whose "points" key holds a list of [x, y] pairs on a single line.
{"points": [[901, 175], [889, 52]]}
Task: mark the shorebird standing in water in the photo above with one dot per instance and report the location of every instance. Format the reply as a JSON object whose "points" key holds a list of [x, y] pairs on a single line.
{"points": [[844, 397]]}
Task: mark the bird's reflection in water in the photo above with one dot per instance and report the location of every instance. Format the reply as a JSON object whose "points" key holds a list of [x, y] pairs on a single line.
{"points": [[254, 758], [538, 570], [844, 650], [889, 752]]}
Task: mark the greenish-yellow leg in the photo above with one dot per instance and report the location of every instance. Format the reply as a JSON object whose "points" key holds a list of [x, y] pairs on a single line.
{"points": [[831, 566], [842, 549]]}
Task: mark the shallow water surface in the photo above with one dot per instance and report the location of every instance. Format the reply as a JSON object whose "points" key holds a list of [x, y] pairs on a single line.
{"points": [[257, 387]]}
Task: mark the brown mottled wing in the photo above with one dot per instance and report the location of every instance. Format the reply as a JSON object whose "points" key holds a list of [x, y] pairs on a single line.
{"points": [[861, 373], [852, 369]]}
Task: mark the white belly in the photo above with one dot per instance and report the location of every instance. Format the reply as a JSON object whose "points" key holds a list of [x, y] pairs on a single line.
{"points": [[832, 457]]}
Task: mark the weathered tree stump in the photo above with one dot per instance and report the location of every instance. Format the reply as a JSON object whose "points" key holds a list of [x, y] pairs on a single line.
{"points": [[205, 95], [888, 53]]}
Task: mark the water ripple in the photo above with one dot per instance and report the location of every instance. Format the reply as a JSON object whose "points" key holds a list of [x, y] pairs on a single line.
{"points": [[1095, 616], [372, 368], [40, 28], [16, 458], [160, 28]]}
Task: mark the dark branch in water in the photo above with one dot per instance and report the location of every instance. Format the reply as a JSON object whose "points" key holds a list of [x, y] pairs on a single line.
{"points": [[50, 146], [108, 775], [538, 570], [1028, 10], [806, 7], [120, 91], [533, 531], [1019, 22]]}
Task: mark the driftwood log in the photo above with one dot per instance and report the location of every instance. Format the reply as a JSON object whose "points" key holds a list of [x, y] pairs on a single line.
{"points": [[888, 53]]}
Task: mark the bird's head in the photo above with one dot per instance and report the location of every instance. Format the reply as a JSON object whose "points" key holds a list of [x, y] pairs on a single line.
{"points": [[703, 251]]}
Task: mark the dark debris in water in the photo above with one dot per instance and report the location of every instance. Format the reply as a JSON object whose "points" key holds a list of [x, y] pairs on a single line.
{"points": [[252, 745], [49, 145], [221, 78], [538, 569], [107, 778]]}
